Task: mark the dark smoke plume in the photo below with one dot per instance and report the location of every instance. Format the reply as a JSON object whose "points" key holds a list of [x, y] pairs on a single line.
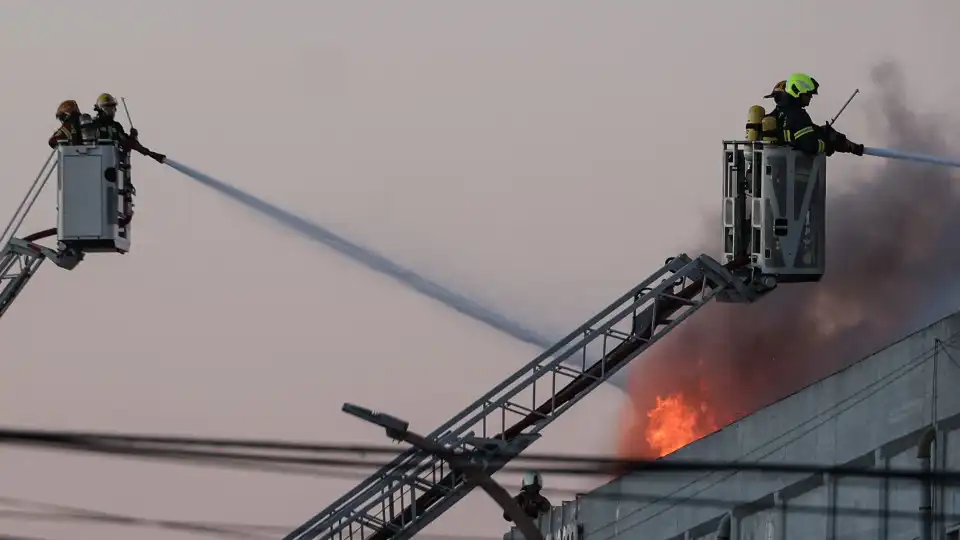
{"points": [[891, 254]]}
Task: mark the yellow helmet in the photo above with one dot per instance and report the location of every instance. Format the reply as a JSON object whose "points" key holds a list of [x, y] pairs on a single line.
{"points": [[799, 84], [67, 108], [106, 104], [777, 88]]}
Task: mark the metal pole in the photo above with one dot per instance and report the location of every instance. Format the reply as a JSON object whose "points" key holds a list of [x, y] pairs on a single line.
{"points": [[398, 429], [855, 92], [926, 500], [126, 111]]}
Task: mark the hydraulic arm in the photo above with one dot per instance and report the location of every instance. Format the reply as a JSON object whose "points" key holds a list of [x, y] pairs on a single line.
{"points": [[20, 258], [418, 486], [94, 203], [18, 263]]}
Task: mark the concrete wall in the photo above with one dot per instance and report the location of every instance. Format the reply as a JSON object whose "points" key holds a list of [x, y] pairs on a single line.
{"points": [[870, 414]]}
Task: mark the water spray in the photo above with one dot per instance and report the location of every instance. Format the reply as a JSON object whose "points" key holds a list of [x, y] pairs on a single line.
{"points": [[910, 156], [896, 154], [370, 259]]}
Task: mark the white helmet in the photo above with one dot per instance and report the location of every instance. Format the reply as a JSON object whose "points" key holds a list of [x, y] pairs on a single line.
{"points": [[532, 478]]}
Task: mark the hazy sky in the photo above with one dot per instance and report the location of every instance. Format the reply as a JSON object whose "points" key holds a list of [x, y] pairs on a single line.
{"points": [[540, 156]]}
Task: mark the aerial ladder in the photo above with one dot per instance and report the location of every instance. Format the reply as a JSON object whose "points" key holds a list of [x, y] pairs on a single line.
{"points": [[773, 232], [94, 210]]}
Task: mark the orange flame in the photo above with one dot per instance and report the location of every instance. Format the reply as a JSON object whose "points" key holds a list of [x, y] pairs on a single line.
{"points": [[674, 423]]}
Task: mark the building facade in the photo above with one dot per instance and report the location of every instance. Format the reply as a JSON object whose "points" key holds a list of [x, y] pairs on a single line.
{"points": [[880, 412]]}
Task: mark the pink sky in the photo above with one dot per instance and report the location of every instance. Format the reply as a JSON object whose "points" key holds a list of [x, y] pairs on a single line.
{"points": [[541, 158]]}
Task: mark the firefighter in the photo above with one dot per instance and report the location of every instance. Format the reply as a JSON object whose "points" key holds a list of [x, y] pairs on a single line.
{"points": [[779, 95], [109, 129], [529, 499], [799, 130], [68, 113], [778, 92]]}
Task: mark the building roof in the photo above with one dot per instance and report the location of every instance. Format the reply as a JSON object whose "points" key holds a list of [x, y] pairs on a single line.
{"points": [[878, 403]]}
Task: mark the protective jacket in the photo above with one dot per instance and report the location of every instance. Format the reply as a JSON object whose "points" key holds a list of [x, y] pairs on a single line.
{"points": [[800, 132], [775, 135], [67, 133], [109, 129], [532, 503]]}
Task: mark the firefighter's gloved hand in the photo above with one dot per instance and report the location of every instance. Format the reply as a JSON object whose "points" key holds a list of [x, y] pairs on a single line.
{"points": [[838, 139], [850, 147], [160, 158], [134, 133]]}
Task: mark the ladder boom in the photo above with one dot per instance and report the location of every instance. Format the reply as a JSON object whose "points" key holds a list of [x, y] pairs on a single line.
{"points": [[19, 261], [21, 258], [415, 488]]}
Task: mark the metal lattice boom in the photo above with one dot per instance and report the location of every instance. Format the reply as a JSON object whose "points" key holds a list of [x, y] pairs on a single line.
{"points": [[19, 260], [417, 487]]}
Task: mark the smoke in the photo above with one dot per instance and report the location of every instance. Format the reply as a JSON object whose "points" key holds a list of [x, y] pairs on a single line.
{"points": [[374, 261], [890, 258]]}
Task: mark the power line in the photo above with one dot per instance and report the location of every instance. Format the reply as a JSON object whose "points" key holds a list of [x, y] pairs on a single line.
{"points": [[251, 531], [639, 497], [226, 530], [60, 513], [318, 459], [56, 513], [196, 528], [576, 465], [167, 446], [44, 511], [658, 498]]}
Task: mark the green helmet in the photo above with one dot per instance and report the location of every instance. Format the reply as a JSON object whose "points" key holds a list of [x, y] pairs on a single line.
{"points": [[799, 84]]}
